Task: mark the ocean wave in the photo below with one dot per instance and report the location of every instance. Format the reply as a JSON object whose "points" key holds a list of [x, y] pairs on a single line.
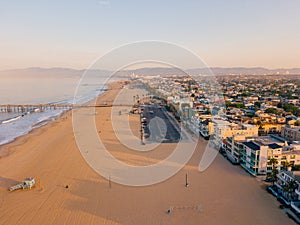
{"points": [[9, 120], [18, 125]]}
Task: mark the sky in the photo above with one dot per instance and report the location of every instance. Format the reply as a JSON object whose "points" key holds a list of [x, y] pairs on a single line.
{"points": [[73, 33]]}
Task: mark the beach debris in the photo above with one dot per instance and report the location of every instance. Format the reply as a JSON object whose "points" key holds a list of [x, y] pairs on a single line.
{"points": [[169, 211], [109, 182], [200, 208], [28, 183]]}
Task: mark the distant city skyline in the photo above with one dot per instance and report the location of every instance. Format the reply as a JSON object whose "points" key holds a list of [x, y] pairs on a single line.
{"points": [[73, 34]]}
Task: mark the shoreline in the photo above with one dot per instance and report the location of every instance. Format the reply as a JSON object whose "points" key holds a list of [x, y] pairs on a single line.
{"points": [[7, 148], [226, 194]]}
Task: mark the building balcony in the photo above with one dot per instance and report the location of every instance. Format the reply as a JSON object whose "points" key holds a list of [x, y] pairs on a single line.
{"points": [[249, 170], [296, 206], [280, 177], [243, 153], [278, 186], [250, 161], [236, 149]]}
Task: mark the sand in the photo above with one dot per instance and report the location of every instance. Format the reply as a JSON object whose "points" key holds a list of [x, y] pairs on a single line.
{"points": [[225, 193]]}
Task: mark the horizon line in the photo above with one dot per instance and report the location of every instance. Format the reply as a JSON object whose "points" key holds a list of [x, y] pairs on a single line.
{"points": [[210, 67]]}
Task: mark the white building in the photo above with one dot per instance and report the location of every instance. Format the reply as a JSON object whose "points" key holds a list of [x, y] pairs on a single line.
{"points": [[224, 129]]}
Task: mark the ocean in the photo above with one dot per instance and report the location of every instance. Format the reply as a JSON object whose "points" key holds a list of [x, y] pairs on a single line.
{"points": [[40, 90]]}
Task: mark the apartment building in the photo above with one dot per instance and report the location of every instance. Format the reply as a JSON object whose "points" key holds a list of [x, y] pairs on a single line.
{"points": [[224, 129], [234, 145], [255, 155], [291, 133], [288, 188]]}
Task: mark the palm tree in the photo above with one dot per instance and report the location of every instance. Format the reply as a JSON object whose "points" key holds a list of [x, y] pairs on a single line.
{"points": [[274, 162], [290, 188], [273, 175], [286, 164]]}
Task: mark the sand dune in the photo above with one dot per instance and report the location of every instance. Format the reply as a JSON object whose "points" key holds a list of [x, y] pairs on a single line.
{"points": [[222, 194]]}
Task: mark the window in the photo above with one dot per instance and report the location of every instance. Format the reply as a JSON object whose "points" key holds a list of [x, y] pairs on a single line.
{"points": [[283, 158], [292, 156]]}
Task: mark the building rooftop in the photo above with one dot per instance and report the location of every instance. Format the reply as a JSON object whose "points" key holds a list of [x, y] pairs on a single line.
{"points": [[221, 122], [274, 146], [252, 145], [296, 128], [267, 140], [277, 138]]}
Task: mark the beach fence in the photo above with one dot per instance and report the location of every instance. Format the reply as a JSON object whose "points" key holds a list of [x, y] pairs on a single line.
{"points": [[185, 208]]}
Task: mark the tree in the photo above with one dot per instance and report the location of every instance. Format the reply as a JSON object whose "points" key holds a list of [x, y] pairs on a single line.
{"points": [[245, 94], [207, 112], [273, 162], [258, 104], [286, 164], [296, 167], [291, 108], [236, 105], [271, 110], [273, 176], [290, 188]]}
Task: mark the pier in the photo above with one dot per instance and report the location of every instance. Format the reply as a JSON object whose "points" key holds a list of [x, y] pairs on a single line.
{"points": [[23, 108]]}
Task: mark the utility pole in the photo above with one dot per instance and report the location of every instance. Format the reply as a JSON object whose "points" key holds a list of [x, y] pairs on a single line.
{"points": [[186, 180]]}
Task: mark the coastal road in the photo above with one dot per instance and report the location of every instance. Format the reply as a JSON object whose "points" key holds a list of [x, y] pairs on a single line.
{"points": [[160, 127]]}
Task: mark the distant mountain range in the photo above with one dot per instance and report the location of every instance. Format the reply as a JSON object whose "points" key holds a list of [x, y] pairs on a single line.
{"points": [[219, 71], [251, 71], [36, 71]]}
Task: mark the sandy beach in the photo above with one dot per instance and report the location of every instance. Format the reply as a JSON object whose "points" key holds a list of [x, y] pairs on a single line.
{"points": [[222, 194]]}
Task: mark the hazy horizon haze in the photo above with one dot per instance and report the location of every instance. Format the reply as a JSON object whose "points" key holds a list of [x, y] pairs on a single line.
{"points": [[223, 34]]}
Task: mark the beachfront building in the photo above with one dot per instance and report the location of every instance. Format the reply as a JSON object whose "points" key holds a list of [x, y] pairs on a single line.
{"points": [[288, 188], [254, 157], [291, 133], [193, 124], [286, 156], [206, 127], [296, 204], [224, 129], [234, 145], [256, 154]]}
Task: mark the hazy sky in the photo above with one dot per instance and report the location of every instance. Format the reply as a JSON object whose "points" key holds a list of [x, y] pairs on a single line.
{"points": [[223, 33]]}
